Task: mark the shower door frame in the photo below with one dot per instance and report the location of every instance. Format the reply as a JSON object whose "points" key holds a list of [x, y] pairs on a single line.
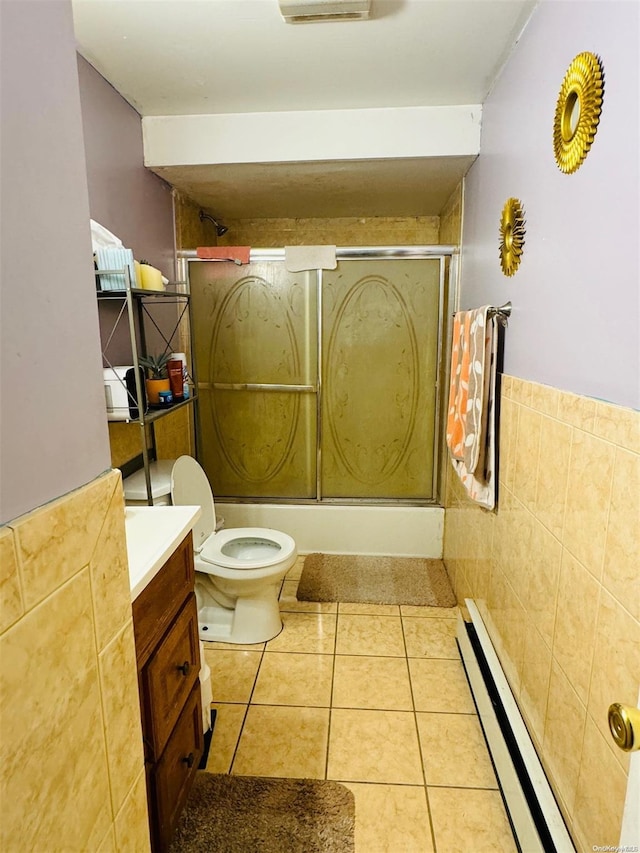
{"points": [[447, 295]]}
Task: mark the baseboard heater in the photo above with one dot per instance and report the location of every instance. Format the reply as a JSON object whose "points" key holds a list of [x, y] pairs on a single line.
{"points": [[535, 817]]}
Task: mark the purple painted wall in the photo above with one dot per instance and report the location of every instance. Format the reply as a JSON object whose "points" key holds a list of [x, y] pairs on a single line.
{"points": [[54, 434], [126, 198], [576, 321]]}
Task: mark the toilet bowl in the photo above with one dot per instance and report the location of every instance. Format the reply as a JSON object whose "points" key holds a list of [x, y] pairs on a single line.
{"points": [[238, 571]]}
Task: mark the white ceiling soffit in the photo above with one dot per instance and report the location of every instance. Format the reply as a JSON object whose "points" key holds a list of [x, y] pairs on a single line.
{"points": [[312, 135], [384, 162], [239, 58]]}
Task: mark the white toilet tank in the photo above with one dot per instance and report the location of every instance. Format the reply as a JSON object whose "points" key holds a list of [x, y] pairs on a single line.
{"points": [[135, 486]]}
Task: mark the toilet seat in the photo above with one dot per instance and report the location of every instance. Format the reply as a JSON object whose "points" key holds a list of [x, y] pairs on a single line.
{"points": [[225, 550], [219, 550]]}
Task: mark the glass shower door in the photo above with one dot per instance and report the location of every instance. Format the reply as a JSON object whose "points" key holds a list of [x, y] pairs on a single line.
{"points": [[256, 354], [380, 328]]}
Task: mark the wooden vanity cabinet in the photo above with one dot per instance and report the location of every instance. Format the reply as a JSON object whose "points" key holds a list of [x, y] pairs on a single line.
{"points": [[165, 623]]}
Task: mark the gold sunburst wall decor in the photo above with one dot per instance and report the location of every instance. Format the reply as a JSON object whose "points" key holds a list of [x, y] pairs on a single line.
{"points": [[578, 111], [512, 233]]}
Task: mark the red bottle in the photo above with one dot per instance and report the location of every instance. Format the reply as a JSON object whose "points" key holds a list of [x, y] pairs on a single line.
{"points": [[176, 383]]}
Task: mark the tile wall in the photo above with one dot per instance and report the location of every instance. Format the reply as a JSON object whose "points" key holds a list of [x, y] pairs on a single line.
{"points": [[276, 233], [556, 575], [451, 219], [174, 437], [191, 231], [378, 231], [125, 443], [174, 434], [70, 736]]}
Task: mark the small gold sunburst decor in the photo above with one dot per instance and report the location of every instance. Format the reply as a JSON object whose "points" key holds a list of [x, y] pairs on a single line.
{"points": [[578, 111], [512, 233]]}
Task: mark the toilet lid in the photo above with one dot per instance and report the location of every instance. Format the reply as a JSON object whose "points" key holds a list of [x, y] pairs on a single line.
{"points": [[190, 487]]}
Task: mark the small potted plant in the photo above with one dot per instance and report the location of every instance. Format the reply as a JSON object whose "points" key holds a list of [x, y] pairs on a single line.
{"points": [[158, 378]]}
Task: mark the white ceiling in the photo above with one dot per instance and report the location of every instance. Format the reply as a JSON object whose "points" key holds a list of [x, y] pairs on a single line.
{"points": [[192, 57]]}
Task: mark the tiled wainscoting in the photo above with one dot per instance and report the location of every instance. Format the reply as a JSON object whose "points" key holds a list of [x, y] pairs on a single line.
{"points": [[556, 575], [71, 742]]}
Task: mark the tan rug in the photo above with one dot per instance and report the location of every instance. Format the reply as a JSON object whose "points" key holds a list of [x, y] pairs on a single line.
{"points": [[246, 814], [375, 580]]}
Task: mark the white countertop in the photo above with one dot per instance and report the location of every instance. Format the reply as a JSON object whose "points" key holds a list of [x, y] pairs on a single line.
{"points": [[153, 534]]}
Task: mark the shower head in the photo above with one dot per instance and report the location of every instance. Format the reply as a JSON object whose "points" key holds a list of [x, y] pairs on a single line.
{"points": [[220, 229]]}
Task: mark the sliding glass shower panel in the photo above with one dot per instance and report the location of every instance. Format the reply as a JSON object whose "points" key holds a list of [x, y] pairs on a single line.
{"points": [[256, 357], [380, 323]]}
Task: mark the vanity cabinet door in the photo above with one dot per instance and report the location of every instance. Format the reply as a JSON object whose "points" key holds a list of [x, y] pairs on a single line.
{"points": [[175, 771], [155, 608], [169, 676], [165, 625]]}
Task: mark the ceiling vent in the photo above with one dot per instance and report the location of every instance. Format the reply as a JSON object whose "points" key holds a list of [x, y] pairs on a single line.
{"points": [[310, 11]]}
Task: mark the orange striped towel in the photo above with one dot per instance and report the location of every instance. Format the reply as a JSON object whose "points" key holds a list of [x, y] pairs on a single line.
{"points": [[466, 414], [238, 254]]}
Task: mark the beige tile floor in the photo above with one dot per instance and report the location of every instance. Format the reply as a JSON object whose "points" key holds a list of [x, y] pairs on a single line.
{"points": [[375, 697]]}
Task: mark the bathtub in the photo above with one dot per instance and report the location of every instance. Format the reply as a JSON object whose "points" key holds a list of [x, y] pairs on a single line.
{"points": [[334, 529]]}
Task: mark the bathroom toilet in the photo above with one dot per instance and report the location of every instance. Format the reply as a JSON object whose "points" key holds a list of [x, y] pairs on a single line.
{"points": [[238, 571]]}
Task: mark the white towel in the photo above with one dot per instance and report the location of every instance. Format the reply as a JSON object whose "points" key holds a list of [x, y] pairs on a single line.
{"points": [[102, 238], [298, 258]]}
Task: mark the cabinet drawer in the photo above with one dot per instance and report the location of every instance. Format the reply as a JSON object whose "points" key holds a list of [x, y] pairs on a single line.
{"points": [[169, 676], [177, 768], [156, 606]]}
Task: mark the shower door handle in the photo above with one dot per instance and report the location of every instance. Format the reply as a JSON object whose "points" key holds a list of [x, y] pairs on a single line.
{"points": [[255, 386]]}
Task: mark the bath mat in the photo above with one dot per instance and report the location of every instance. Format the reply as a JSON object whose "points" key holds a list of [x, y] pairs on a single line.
{"points": [[243, 814], [375, 580]]}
